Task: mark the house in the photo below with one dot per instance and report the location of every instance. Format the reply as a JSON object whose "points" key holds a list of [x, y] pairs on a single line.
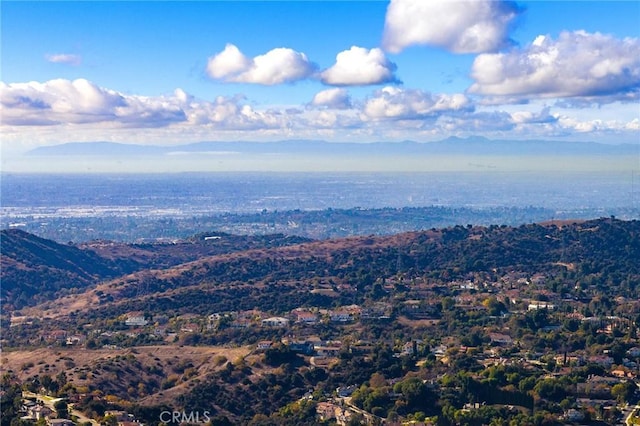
{"points": [[136, 321], [574, 415], [345, 391], [500, 339], [604, 361], [275, 322], [439, 351], [341, 316], [305, 317], [122, 417], [411, 348], [566, 359], [56, 335], [620, 373], [263, 345], [38, 412], [326, 411], [160, 331], [60, 422], [327, 351], [76, 339], [190, 328], [540, 305], [306, 348], [379, 310]]}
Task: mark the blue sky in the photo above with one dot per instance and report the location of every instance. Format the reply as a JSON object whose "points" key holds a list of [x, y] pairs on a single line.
{"points": [[178, 72]]}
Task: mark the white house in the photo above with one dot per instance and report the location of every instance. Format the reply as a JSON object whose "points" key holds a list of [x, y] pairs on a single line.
{"points": [[305, 317], [341, 316], [263, 345], [275, 322], [136, 321], [541, 305]]}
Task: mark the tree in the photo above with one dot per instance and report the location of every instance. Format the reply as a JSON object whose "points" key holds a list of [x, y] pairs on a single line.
{"points": [[61, 378], [10, 400], [62, 409], [110, 421], [623, 392], [377, 380]]}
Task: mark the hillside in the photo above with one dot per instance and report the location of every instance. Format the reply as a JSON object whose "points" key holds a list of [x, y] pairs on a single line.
{"points": [[36, 269], [281, 278], [414, 324]]}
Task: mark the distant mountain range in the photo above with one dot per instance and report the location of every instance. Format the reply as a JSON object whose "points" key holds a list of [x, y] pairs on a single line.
{"points": [[450, 146]]}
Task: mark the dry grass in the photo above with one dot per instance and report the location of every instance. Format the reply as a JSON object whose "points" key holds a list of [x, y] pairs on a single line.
{"points": [[76, 362]]}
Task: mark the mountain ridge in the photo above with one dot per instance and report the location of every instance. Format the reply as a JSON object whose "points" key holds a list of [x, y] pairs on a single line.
{"points": [[449, 146]]}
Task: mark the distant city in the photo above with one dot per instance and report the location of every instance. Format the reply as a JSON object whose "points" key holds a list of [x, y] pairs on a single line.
{"points": [[134, 207]]}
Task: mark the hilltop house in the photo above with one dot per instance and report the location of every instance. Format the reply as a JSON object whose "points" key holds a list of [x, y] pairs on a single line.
{"points": [[263, 345], [500, 339], [305, 317], [136, 321], [76, 339], [275, 322], [341, 316], [540, 305]]}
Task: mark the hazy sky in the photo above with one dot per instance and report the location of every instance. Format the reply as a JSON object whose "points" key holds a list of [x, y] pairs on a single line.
{"points": [[176, 72]]}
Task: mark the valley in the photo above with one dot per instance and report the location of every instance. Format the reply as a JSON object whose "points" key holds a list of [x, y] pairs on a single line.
{"points": [[444, 326]]}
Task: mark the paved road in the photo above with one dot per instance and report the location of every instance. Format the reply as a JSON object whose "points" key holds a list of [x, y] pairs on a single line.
{"points": [[635, 409]]}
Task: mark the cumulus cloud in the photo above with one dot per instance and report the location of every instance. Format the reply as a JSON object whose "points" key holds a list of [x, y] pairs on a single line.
{"points": [[277, 66], [544, 116], [82, 110], [64, 58], [336, 98], [81, 102], [577, 64], [459, 26], [58, 101], [359, 66], [402, 104], [574, 125]]}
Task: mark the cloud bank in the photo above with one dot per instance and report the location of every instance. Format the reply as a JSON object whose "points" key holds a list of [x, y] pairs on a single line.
{"points": [[83, 110], [83, 103]]}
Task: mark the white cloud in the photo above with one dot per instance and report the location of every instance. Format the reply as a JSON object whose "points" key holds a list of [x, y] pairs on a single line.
{"points": [[359, 67], [578, 64], [574, 125], [467, 26], [544, 116], [478, 123], [81, 102], [64, 58], [277, 66], [57, 101], [402, 104], [228, 63], [336, 98], [81, 110]]}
